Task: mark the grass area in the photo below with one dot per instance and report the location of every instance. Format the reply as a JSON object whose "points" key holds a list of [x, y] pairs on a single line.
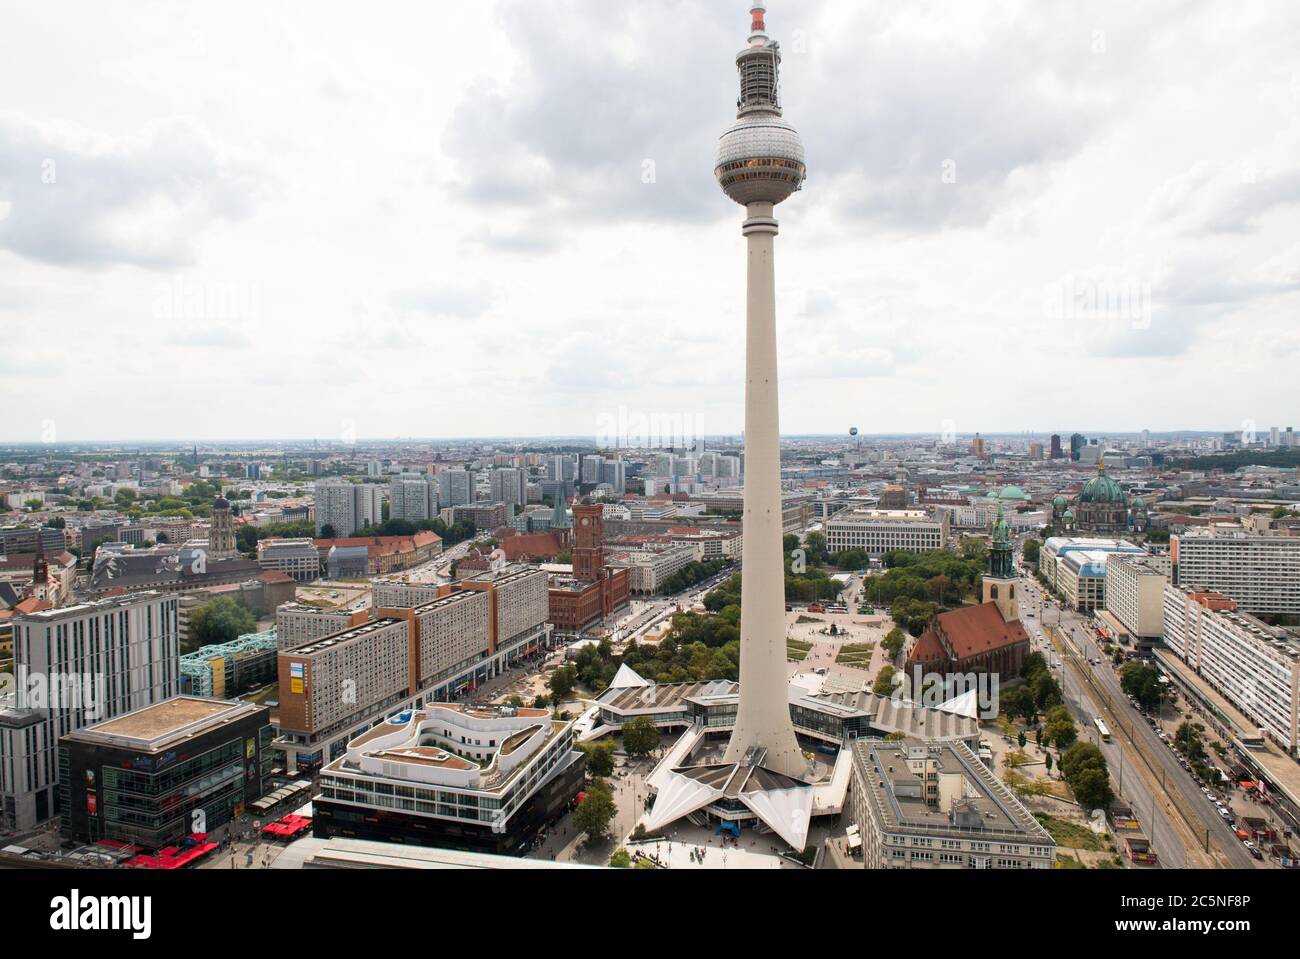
{"points": [[1015, 759], [796, 650], [1071, 835], [1068, 862], [855, 654], [805, 620]]}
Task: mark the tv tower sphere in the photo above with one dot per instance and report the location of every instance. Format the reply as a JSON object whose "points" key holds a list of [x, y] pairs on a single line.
{"points": [[761, 158]]}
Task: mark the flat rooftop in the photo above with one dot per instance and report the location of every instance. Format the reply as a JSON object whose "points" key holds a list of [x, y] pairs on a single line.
{"points": [[337, 639], [898, 793], [163, 724]]}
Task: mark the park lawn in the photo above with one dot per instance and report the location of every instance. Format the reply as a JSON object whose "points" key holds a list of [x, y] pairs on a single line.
{"points": [[855, 654], [1071, 835]]}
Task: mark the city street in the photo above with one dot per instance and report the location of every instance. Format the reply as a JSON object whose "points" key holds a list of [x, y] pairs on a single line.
{"points": [[1184, 819]]}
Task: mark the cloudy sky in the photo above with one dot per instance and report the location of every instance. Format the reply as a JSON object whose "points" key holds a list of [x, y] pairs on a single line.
{"points": [[247, 220]]}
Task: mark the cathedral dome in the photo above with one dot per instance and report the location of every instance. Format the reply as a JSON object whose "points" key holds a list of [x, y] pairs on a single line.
{"points": [[1102, 489], [1012, 493]]}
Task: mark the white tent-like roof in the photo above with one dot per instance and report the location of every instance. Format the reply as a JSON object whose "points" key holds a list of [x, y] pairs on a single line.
{"points": [[967, 704], [627, 677]]}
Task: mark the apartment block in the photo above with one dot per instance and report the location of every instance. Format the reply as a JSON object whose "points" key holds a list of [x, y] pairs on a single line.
{"points": [[1256, 667], [1260, 572]]}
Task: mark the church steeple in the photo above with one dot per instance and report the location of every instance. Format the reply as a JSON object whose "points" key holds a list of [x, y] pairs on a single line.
{"points": [[1000, 580]]}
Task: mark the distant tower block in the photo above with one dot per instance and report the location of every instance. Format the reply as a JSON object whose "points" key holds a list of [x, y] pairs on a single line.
{"points": [[760, 162]]}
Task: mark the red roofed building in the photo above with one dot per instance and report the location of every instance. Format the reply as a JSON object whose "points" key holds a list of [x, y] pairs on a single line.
{"points": [[975, 639], [984, 639], [389, 554], [531, 547]]}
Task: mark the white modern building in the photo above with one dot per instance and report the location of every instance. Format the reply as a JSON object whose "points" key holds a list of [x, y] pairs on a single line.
{"points": [[75, 666], [1077, 567], [1260, 572], [653, 565], [297, 624], [509, 486], [1135, 594], [1256, 667], [878, 531], [456, 488]]}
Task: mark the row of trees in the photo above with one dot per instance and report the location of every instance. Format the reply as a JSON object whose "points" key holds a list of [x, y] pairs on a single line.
{"points": [[692, 575], [221, 621]]}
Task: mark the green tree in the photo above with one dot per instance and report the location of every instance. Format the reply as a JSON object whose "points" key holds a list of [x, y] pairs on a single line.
{"points": [[621, 859], [1084, 768], [600, 758], [894, 642], [884, 685], [562, 683], [596, 811], [1142, 683], [1060, 729], [640, 737], [1032, 551], [914, 615], [221, 621]]}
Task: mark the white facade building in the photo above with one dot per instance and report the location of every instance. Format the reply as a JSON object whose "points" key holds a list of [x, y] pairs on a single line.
{"points": [[1260, 572], [1135, 592], [878, 531], [1256, 667]]}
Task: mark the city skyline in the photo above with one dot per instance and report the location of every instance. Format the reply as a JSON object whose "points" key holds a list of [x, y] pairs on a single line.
{"points": [[293, 213]]}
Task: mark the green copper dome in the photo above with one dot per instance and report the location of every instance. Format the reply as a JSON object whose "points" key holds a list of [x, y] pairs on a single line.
{"points": [[1060, 501], [1139, 503], [1102, 489], [1012, 492]]}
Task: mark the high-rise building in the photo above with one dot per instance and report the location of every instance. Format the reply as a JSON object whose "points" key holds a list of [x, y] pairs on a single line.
{"points": [[456, 488], [509, 486], [99, 660], [591, 469], [1135, 589], [1077, 443], [760, 162], [347, 507], [413, 498], [614, 472], [1254, 665], [1057, 452]]}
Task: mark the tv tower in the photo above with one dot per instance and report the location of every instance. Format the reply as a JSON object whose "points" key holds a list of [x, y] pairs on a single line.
{"points": [[760, 162]]}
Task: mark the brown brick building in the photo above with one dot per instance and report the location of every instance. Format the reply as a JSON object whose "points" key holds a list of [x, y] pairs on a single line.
{"points": [[595, 590]]}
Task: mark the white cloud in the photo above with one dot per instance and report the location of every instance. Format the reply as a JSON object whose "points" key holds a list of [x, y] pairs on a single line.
{"points": [[444, 222]]}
